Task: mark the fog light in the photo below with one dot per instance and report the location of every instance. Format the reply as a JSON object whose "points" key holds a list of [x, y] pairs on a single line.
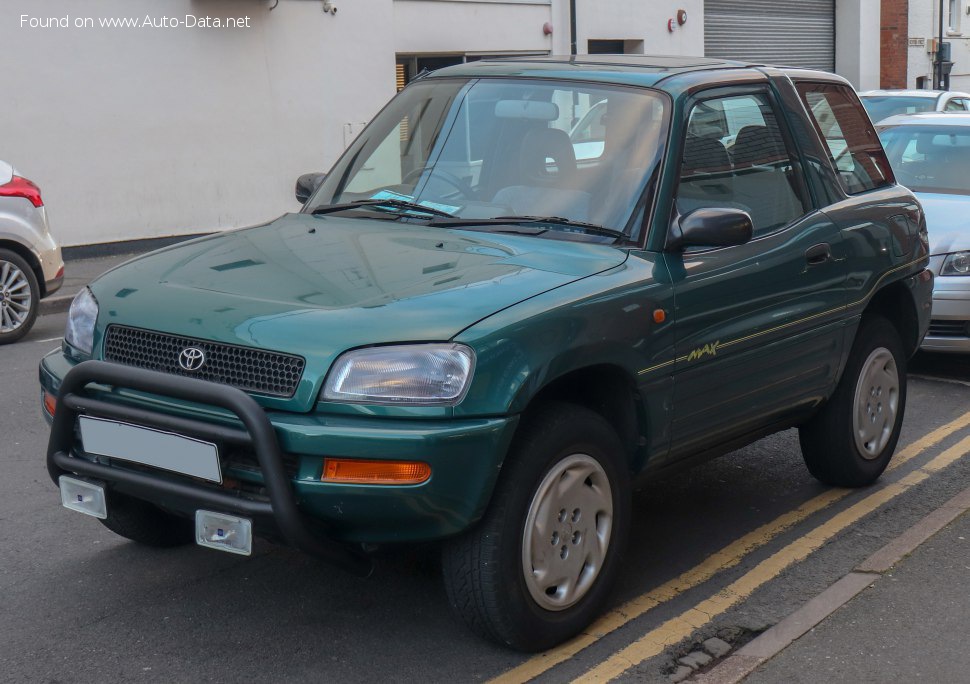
{"points": [[224, 532], [50, 404], [83, 497], [354, 471]]}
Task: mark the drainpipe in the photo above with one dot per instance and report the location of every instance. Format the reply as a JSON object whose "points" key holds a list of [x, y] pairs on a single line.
{"points": [[939, 53], [572, 27]]}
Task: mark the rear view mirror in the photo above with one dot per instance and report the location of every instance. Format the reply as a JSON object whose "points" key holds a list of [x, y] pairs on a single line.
{"points": [[711, 227], [307, 184]]}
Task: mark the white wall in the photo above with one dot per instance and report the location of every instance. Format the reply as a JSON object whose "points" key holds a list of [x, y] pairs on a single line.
{"points": [[423, 26], [149, 132], [857, 42], [640, 20]]}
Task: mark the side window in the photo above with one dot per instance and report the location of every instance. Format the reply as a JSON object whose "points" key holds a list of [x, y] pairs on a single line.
{"points": [[852, 142], [735, 157], [955, 105]]}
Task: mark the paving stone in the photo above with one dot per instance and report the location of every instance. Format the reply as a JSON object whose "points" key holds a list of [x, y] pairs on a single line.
{"points": [[681, 673], [717, 647], [695, 659]]}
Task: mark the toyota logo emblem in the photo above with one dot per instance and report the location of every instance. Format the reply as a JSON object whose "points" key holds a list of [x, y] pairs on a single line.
{"points": [[192, 358]]}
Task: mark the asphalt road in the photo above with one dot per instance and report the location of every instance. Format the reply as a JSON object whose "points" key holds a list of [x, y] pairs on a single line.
{"points": [[80, 604]]}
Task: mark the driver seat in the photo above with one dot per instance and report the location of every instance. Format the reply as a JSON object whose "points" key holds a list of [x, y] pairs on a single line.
{"points": [[545, 174]]}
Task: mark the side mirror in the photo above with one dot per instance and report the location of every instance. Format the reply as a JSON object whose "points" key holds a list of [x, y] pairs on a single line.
{"points": [[307, 184], [712, 227]]}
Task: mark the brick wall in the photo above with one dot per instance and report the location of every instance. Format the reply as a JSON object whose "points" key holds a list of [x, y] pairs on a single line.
{"points": [[894, 40]]}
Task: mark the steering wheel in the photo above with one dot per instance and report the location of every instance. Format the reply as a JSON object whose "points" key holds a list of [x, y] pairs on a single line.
{"points": [[463, 187]]}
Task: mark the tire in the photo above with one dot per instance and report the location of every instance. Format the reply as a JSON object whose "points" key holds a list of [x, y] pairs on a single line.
{"points": [[485, 570], [146, 524], [851, 439], [19, 297]]}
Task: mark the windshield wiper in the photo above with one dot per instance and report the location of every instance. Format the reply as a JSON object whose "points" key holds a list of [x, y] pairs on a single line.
{"points": [[399, 204], [523, 220]]}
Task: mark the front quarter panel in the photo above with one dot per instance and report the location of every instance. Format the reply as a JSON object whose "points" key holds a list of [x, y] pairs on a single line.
{"points": [[603, 320]]}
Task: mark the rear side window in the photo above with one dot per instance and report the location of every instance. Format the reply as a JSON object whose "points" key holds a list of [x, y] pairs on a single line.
{"points": [[852, 142]]}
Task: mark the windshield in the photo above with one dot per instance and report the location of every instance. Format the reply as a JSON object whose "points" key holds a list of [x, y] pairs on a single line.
{"points": [[930, 158], [480, 149], [882, 107]]}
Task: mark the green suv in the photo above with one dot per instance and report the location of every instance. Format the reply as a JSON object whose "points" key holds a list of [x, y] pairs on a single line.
{"points": [[488, 323]]}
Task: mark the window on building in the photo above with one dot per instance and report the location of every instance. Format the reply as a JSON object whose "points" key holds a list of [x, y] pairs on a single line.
{"points": [[614, 47], [735, 156], [605, 47], [844, 126], [954, 16]]}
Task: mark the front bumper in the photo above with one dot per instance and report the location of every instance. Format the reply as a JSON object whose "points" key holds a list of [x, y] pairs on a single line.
{"points": [[322, 518], [950, 324]]}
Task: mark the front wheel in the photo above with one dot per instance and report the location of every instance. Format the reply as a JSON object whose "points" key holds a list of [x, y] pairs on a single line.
{"points": [[852, 438], [539, 566]]}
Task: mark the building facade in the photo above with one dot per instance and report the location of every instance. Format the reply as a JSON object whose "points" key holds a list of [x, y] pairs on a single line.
{"points": [[143, 128], [923, 30]]}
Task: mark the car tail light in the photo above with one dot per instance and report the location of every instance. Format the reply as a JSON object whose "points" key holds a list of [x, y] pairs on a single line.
{"points": [[360, 471], [21, 187]]}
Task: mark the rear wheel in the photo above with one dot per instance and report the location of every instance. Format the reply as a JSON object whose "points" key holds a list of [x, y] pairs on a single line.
{"points": [[852, 438], [539, 566], [19, 297], [146, 523]]}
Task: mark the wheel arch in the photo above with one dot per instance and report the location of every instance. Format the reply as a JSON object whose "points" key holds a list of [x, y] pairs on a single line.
{"points": [[608, 390], [894, 302], [28, 255]]}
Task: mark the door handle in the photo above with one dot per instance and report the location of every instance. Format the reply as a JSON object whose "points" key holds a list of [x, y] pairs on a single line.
{"points": [[818, 254]]}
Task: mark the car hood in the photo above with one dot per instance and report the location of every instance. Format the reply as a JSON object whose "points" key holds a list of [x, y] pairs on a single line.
{"points": [[947, 221], [317, 286]]}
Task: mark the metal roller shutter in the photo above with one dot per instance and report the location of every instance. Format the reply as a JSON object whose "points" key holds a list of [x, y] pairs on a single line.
{"points": [[798, 33]]}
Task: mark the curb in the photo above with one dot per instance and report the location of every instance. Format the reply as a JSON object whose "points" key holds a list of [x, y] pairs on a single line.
{"points": [[772, 642], [53, 305]]}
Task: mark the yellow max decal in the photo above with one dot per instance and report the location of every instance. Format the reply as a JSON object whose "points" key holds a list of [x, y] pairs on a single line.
{"points": [[707, 349]]}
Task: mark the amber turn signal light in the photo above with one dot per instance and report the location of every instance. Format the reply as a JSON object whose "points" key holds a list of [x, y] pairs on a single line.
{"points": [[358, 471], [50, 403]]}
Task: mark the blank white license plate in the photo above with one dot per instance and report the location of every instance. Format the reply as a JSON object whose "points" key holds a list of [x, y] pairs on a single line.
{"points": [[150, 447]]}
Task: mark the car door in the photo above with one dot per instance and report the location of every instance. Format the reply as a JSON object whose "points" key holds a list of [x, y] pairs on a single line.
{"points": [[758, 330]]}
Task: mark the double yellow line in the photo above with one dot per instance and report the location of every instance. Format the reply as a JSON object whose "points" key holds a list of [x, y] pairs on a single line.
{"points": [[682, 626]]}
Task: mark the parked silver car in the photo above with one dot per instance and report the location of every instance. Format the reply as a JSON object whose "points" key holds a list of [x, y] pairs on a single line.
{"points": [[881, 104], [930, 154], [30, 259]]}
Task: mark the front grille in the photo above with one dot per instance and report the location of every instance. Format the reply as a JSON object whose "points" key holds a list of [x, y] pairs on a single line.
{"points": [[252, 370], [940, 328]]}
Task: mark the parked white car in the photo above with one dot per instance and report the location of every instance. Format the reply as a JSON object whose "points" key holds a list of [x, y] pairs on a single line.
{"points": [[882, 104], [30, 259], [930, 154]]}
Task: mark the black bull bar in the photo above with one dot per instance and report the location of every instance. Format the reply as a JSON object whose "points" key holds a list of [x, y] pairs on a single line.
{"points": [[258, 435]]}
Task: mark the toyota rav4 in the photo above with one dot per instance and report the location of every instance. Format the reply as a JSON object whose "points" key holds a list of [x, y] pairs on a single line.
{"points": [[489, 323]]}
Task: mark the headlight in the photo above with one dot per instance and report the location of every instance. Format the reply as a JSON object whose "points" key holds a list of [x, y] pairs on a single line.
{"points": [[956, 264], [80, 321], [421, 374]]}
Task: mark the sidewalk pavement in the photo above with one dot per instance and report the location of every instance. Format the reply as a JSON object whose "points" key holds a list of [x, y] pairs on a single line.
{"points": [[911, 625], [77, 274], [902, 615]]}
